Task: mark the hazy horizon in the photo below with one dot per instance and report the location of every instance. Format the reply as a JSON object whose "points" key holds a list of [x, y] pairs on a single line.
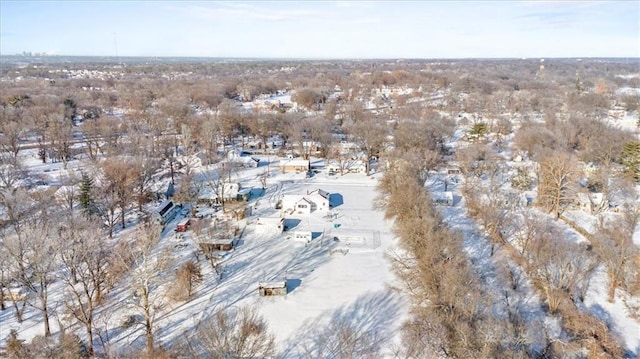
{"points": [[323, 29]]}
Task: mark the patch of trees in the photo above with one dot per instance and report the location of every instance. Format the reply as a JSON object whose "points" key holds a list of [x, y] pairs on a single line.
{"points": [[448, 316], [558, 268], [309, 98]]}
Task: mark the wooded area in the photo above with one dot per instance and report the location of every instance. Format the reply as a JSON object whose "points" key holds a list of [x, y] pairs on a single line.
{"points": [[133, 125]]}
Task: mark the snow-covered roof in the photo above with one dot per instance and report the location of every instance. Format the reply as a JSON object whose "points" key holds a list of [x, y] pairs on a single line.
{"points": [[269, 220], [443, 196], [295, 162], [276, 284]]}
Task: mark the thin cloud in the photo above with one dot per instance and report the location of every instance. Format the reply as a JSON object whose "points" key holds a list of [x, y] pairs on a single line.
{"points": [[242, 11], [367, 21], [553, 18], [353, 4]]}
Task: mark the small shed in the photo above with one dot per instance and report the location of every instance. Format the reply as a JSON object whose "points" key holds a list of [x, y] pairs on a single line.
{"points": [[270, 224], [268, 289], [453, 170], [303, 236], [443, 198], [183, 225], [243, 194], [221, 245]]}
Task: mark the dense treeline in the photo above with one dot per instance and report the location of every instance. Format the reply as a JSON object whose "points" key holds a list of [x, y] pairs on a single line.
{"points": [[452, 314]]}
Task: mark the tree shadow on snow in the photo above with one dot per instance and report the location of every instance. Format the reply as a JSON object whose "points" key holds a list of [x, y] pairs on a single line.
{"points": [[267, 265], [600, 313], [359, 330]]}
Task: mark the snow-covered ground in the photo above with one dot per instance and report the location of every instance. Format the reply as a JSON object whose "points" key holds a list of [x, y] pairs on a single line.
{"points": [[328, 280]]}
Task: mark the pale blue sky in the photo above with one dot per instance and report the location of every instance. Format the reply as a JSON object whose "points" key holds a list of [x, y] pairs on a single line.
{"points": [[323, 29]]}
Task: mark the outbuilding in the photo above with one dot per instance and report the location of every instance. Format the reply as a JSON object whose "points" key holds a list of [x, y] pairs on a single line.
{"points": [[268, 289], [221, 245], [269, 224], [443, 198], [183, 225], [303, 236]]}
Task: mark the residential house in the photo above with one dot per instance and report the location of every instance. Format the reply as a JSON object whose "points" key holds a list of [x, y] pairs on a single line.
{"points": [[225, 192], [234, 159], [321, 199], [590, 202], [295, 166], [297, 204], [346, 166], [165, 212]]}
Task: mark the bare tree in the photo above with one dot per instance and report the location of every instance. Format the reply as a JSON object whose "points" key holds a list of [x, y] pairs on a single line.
{"points": [[560, 269], [10, 174], [614, 245], [232, 334], [85, 257], [532, 224], [218, 179], [68, 194], [190, 184], [372, 136], [61, 135], [142, 170], [37, 259], [208, 136], [44, 114], [13, 126], [146, 278], [555, 173], [119, 183], [187, 277]]}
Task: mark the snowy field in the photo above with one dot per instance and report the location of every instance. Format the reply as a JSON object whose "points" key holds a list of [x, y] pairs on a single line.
{"points": [[329, 281]]}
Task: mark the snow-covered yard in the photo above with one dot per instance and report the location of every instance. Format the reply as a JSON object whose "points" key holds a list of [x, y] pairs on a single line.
{"points": [[341, 275]]}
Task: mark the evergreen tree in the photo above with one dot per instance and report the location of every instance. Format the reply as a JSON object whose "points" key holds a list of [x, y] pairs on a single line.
{"points": [[85, 197], [70, 110], [630, 159], [478, 130]]}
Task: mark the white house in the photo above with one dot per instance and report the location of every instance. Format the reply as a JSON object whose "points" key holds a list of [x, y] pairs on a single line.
{"points": [[304, 206], [348, 166], [590, 202], [320, 198], [234, 158], [297, 204]]}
